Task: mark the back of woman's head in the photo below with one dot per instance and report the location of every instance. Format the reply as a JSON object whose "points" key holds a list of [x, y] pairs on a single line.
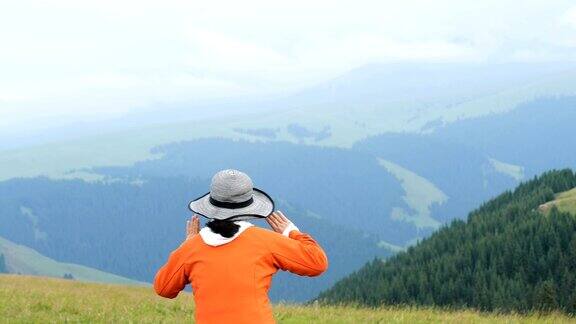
{"points": [[225, 228]]}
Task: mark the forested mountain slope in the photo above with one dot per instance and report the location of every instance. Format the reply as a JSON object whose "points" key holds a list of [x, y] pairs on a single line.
{"points": [[537, 135], [464, 158], [331, 182], [507, 256], [129, 229]]}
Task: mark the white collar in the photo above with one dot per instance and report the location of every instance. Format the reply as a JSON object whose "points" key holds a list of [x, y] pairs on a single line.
{"points": [[214, 239]]}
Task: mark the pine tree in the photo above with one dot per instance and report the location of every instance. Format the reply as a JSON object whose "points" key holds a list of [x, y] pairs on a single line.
{"points": [[571, 307], [545, 296]]}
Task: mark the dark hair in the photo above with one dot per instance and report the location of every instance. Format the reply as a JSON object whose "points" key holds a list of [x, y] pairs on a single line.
{"points": [[225, 228]]}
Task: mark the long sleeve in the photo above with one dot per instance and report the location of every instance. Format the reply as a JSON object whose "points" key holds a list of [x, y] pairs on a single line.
{"points": [[299, 254], [172, 278]]}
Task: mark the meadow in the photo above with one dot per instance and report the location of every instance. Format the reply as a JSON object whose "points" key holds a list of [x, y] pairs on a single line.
{"points": [[565, 202], [26, 299]]}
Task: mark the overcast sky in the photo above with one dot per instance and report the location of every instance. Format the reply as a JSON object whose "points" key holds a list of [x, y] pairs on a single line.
{"points": [[76, 59]]}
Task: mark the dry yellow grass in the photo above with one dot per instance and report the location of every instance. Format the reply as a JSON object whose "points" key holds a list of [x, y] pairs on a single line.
{"points": [[45, 300]]}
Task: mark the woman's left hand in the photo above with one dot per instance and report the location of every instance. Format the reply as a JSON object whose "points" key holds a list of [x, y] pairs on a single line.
{"points": [[192, 226], [278, 221]]}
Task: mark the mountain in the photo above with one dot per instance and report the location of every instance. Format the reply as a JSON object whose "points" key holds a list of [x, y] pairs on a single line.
{"points": [[385, 85], [331, 182], [128, 228], [19, 259], [428, 82], [533, 136], [507, 256], [365, 102], [474, 159], [465, 175], [387, 191], [385, 154]]}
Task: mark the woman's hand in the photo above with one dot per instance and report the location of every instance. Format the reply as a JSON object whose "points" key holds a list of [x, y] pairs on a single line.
{"points": [[192, 226], [278, 222]]}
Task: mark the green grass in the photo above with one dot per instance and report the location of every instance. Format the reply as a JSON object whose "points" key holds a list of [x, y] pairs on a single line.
{"points": [[24, 260], [420, 195], [565, 202], [41, 300]]}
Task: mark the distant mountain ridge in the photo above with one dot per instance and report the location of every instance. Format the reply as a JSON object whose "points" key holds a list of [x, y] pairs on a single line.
{"points": [[507, 256], [365, 102], [428, 82], [436, 84]]}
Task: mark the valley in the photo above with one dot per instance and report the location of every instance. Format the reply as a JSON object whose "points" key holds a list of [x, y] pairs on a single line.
{"points": [[348, 158]]}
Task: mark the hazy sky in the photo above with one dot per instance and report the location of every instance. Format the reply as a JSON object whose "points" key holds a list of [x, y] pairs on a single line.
{"points": [[80, 58]]}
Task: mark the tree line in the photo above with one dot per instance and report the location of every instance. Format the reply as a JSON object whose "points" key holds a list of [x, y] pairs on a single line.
{"points": [[507, 256]]}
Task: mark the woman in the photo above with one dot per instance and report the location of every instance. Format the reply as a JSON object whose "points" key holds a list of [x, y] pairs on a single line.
{"points": [[230, 262]]}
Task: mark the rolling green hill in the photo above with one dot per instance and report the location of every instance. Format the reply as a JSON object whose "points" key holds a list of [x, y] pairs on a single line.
{"points": [[506, 257], [23, 260], [42, 300]]}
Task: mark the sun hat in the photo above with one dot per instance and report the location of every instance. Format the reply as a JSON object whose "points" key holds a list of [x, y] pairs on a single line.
{"points": [[233, 196]]}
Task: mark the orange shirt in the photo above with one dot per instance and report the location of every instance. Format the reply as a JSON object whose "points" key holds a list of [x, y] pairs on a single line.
{"points": [[230, 282]]}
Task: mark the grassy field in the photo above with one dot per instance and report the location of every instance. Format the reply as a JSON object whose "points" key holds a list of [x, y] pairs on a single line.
{"points": [[420, 195], [565, 201], [41, 300]]}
